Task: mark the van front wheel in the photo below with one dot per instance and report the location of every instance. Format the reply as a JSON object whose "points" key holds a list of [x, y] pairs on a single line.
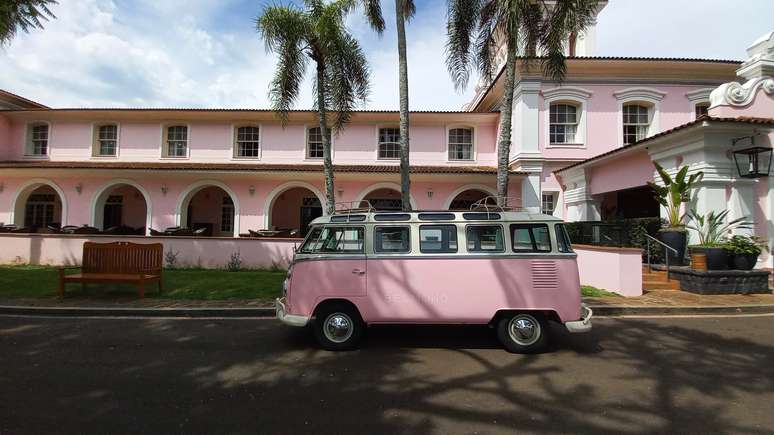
{"points": [[338, 327], [523, 332]]}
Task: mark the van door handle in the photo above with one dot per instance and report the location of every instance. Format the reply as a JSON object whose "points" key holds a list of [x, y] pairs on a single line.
{"points": [[358, 272]]}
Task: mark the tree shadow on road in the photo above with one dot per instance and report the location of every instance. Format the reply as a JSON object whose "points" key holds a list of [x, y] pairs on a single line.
{"points": [[626, 376]]}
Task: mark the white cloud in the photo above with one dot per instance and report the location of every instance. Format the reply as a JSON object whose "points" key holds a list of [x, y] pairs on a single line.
{"points": [[207, 54]]}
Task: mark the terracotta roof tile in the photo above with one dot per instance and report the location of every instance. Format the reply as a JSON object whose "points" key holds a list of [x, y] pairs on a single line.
{"points": [[247, 167], [699, 120]]}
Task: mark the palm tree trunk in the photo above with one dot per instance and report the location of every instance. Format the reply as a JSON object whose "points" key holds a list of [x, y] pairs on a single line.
{"points": [[405, 182], [330, 200], [504, 143]]}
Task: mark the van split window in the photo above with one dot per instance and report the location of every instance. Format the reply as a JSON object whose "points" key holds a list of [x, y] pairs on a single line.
{"points": [[530, 238], [392, 239], [485, 238], [341, 240], [437, 239], [562, 238]]}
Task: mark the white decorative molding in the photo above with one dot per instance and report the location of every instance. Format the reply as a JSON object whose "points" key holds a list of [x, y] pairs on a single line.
{"points": [[569, 92], [640, 93], [699, 95], [760, 61], [736, 94]]}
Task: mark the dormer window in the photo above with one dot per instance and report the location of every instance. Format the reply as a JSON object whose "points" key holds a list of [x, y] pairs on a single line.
{"points": [[636, 122], [37, 139], [461, 144], [176, 144], [106, 140], [389, 143], [247, 142], [563, 123]]}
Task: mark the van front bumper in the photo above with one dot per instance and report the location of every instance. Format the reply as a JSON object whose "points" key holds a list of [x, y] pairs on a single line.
{"points": [[288, 319], [582, 325]]}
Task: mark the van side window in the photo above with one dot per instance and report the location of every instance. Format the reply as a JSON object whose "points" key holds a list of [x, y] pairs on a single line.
{"points": [[437, 239], [562, 238], [342, 240], [485, 238], [392, 239], [530, 238]]}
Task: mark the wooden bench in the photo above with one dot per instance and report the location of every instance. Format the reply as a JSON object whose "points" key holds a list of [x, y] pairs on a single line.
{"points": [[118, 262]]}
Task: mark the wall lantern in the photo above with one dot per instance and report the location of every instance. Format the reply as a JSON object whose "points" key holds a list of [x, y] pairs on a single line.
{"points": [[164, 189], [251, 190], [752, 162], [430, 192], [79, 188]]}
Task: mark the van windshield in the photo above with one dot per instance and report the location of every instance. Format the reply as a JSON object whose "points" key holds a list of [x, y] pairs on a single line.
{"points": [[346, 240]]}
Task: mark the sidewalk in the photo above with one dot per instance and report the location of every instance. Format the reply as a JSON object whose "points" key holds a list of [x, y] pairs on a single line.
{"points": [[658, 302]]}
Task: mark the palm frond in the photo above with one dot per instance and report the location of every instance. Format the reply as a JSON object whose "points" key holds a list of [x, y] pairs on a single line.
{"points": [[23, 15], [565, 18], [462, 24], [409, 9], [373, 12]]}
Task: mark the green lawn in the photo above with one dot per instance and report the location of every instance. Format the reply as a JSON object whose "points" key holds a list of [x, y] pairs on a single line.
{"points": [[42, 282], [589, 291]]}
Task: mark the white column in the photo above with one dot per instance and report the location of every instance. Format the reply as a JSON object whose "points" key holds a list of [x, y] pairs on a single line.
{"points": [[742, 203], [769, 213], [531, 193], [524, 121], [581, 204], [708, 196]]}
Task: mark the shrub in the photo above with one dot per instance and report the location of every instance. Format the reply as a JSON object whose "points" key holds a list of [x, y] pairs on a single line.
{"points": [[745, 245], [170, 259]]}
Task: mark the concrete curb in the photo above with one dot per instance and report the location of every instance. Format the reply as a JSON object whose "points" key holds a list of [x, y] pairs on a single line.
{"points": [[620, 310], [599, 310], [135, 312]]}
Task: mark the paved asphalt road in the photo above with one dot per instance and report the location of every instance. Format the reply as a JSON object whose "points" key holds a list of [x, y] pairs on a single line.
{"points": [[707, 375]]}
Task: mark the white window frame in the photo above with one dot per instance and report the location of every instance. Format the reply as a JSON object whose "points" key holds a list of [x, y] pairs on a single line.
{"points": [[566, 95], [555, 198], [234, 146], [164, 147], [386, 159], [697, 97], [647, 123], [29, 147], [473, 133], [648, 97], [308, 127], [95, 140]]}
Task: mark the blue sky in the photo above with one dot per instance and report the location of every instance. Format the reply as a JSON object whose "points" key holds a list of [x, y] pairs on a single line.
{"points": [[206, 53]]}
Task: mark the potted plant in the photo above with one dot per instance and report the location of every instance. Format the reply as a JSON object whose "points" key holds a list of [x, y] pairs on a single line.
{"points": [[743, 251], [672, 195], [712, 230]]}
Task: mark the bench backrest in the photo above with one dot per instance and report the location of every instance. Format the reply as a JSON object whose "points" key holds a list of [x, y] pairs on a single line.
{"points": [[122, 257]]}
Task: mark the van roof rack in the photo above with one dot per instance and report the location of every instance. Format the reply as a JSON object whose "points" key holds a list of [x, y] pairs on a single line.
{"points": [[492, 204], [351, 207]]}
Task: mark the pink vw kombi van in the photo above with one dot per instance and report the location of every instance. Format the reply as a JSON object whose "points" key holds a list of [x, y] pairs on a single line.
{"points": [[512, 270]]}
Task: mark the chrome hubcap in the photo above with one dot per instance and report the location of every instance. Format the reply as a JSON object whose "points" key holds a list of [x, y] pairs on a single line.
{"points": [[524, 329], [338, 327]]}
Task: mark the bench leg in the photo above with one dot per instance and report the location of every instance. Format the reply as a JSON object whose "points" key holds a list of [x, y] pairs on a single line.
{"points": [[141, 289], [61, 289], [161, 286]]}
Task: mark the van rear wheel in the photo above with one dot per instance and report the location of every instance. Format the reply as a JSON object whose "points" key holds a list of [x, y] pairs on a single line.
{"points": [[523, 332], [338, 327]]}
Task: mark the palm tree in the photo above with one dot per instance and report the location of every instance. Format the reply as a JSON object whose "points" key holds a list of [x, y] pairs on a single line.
{"points": [[476, 29], [316, 32], [23, 15], [404, 11]]}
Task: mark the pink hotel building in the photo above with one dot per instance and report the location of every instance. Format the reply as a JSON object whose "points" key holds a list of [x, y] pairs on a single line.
{"points": [[582, 150]]}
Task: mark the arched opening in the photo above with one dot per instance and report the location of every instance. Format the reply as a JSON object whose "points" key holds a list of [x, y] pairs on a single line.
{"points": [[293, 210], [463, 200], [39, 204], [384, 198], [122, 208], [42, 207], [209, 209]]}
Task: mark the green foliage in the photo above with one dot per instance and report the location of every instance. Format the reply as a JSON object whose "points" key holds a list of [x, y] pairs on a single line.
{"points": [[675, 192], [746, 245], [593, 292], [24, 15], [234, 262], [192, 284], [712, 228]]}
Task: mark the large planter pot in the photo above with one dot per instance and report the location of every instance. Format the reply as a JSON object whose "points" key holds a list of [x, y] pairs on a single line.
{"points": [[716, 257], [676, 240], [742, 261]]}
